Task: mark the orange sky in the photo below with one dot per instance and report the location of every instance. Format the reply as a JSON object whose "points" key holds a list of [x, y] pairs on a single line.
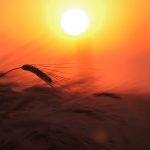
{"points": [[117, 42]]}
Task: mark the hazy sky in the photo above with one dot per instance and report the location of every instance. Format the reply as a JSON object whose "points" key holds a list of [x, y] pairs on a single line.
{"points": [[117, 41]]}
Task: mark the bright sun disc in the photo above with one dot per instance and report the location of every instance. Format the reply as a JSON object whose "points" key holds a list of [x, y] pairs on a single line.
{"points": [[74, 22]]}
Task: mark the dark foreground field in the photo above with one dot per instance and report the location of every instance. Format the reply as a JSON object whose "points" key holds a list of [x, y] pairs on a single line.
{"points": [[39, 119]]}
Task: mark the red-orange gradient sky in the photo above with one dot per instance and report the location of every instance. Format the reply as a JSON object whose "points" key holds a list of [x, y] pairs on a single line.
{"points": [[117, 41]]}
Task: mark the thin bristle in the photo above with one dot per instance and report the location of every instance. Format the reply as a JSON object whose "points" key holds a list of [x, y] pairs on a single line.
{"points": [[37, 72]]}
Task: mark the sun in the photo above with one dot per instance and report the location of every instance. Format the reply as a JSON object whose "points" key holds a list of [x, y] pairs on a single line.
{"points": [[75, 22]]}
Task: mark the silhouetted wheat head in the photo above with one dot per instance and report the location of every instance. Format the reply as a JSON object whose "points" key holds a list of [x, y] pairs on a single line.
{"points": [[33, 69]]}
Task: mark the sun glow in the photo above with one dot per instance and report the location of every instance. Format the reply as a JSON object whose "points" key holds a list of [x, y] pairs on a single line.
{"points": [[75, 22]]}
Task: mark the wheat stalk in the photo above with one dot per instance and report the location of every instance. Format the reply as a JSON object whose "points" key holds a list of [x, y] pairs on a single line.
{"points": [[39, 73]]}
